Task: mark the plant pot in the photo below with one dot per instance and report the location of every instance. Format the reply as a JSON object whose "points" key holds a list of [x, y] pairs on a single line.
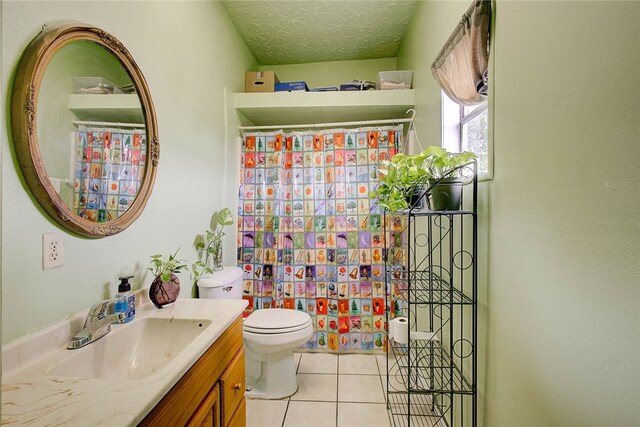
{"points": [[446, 195], [415, 200], [163, 294]]}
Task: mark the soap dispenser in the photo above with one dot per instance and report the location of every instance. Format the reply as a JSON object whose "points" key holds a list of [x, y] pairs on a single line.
{"points": [[127, 305]]}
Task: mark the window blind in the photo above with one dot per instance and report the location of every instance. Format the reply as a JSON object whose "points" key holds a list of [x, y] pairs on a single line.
{"points": [[461, 66]]}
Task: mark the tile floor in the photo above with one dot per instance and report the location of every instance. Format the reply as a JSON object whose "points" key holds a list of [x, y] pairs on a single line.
{"points": [[333, 391]]}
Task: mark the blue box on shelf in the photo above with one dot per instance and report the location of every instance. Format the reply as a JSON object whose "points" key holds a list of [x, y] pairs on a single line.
{"points": [[291, 86]]}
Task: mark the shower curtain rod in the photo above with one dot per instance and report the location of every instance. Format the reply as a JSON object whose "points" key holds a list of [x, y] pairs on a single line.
{"points": [[327, 125], [111, 124]]}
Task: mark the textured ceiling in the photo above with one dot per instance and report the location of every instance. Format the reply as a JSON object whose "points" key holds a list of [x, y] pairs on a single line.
{"points": [[304, 31]]}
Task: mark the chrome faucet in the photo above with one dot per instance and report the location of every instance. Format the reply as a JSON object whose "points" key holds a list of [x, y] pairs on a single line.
{"points": [[97, 324]]}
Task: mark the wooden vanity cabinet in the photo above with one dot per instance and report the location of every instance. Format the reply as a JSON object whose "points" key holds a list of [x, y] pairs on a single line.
{"points": [[239, 419], [232, 387], [211, 393], [208, 414]]}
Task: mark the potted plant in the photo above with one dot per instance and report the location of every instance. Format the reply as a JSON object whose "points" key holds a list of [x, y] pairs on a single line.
{"points": [[446, 170], [165, 287], [402, 183], [210, 244]]}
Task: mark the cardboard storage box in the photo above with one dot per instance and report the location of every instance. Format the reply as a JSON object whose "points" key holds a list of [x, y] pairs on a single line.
{"points": [[291, 86], [260, 81]]}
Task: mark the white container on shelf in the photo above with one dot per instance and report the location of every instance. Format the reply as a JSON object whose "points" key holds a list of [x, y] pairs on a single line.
{"points": [[394, 80], [94, 85]]}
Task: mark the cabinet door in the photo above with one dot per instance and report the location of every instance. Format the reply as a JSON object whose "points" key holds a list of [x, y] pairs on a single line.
{"points": [[239, 419], [208, 413], [232, 387]]}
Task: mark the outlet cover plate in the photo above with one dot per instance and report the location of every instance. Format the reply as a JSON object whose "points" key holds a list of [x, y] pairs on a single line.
{"points": [[52, 250]]}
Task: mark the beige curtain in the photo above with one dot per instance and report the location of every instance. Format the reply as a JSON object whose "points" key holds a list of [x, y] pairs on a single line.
{"points": [[461, 66]]}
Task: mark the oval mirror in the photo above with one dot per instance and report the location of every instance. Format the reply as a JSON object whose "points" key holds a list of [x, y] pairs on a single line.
{"points": [[84, 129]]}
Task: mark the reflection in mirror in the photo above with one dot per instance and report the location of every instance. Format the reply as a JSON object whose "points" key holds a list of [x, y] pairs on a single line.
{"points": [[91, 133], [84, 129]]}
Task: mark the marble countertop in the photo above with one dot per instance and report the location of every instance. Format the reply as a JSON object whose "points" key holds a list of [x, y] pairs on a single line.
{"points": [[32, 395]]}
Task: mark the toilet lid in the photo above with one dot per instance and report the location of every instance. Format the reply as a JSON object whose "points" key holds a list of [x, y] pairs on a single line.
{"points": [[263, 331], [276, 319], [225, 277]]}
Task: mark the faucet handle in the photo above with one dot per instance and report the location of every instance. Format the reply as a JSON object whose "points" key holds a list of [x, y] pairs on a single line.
{"points": [[95, 330], [99, 311]]}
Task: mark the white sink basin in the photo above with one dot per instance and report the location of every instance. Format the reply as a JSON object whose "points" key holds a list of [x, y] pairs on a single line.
{"points": [[131, 351], [138, 362]]}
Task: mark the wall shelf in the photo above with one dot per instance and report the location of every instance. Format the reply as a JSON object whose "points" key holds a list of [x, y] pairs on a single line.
{"points": [[124, 108], [293, 108]]}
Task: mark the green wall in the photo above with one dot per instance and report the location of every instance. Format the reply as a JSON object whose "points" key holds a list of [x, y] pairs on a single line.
{"points": [[559, 311], [565, 230], [178, 46], [431, 24]]}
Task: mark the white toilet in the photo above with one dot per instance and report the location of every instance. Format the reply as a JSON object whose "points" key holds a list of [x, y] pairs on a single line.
{"points": [[270, 336]]}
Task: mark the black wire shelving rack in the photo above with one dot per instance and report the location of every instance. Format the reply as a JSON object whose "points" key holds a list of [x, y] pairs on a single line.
{"points": [[431, 279]]}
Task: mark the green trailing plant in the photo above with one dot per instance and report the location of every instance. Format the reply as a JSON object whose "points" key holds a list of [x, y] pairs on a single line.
{"points": [[210, 243], [406, 175], [164, 267], [448, 173], [402, 177], [441, 163]]}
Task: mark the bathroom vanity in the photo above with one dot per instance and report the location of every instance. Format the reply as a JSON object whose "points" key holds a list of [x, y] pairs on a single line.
{"points": [[211, 393], [182, 365]]}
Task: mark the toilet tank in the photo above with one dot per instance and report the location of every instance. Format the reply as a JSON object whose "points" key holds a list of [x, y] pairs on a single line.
{"points": [[223, 284]]}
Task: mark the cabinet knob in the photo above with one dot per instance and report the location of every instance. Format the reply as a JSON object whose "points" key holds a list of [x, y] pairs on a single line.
{"points": [[237, 386]]}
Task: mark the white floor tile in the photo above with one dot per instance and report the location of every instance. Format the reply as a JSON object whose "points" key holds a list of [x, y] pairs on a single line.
{"points": [[316, 414], [265, 413], [362, 415], [318, 363], [382, 363], [358, 364], [316, 387], [397, 378], [360, 388]]}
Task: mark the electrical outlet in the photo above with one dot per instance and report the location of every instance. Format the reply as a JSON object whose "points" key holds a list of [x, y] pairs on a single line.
{"points": [[52, 250]]}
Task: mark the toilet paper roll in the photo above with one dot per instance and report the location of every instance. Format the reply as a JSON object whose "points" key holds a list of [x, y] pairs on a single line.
{"points": [[399, 330]]}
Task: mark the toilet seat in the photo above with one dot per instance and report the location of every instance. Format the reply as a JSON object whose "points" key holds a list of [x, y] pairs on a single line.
{"points": [[276, 321], [276, 330]]}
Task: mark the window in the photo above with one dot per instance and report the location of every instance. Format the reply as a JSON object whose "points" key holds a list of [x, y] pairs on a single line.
{"points": [[466, 129]]}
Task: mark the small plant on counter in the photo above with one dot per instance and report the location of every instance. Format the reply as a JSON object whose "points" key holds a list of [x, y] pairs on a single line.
{"points": [[210, 244], [164, 267], [165, 287]]}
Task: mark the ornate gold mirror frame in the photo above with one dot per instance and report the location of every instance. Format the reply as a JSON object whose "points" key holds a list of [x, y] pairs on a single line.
{"points": [[24, 102]]}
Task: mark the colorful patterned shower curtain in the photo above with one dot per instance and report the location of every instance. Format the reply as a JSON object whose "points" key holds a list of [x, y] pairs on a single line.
{"points": [[109, 166], [309, 236]]}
